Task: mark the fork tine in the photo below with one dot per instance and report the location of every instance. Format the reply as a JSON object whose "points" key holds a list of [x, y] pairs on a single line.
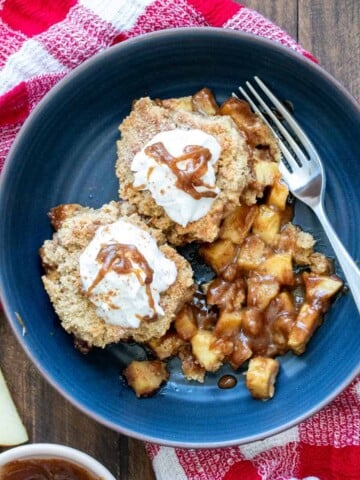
{"points": [[289, 158], [295, 147], [284, 170], [288, 117]]}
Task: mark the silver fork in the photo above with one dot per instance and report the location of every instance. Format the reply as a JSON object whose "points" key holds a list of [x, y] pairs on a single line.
{"points": [[302, 171]]}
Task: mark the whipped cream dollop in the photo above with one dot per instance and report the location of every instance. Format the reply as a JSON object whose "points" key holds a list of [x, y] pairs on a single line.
{"points": [[160, 180], [123, 273]]}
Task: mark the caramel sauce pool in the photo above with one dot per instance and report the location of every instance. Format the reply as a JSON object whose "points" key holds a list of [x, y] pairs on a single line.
{"points": [[44, 469]]}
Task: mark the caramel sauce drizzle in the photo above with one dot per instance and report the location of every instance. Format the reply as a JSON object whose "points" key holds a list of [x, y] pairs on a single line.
{"points": [[124, 259], [196, 160]]}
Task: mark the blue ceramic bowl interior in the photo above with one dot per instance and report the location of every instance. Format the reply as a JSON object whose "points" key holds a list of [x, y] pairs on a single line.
{"points": [[66, 153]]}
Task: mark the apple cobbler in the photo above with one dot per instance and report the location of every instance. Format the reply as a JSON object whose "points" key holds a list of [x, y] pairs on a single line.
{"points": [[270, 289], [191, 172]]}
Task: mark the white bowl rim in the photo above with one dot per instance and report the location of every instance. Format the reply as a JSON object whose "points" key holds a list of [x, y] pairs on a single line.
{"points": [[54, 450]]}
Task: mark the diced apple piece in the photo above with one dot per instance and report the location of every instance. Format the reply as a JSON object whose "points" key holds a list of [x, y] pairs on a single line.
{"points": [[59, 214], [145, 377], [204, 102], [285, 303], [218, 254], [237, 224], [282, 312], [261, 291], [252, 253], [307, 321], [320, 288], [256, 131], [266, 172], [224, 345], [228, 324], [252, 321], [228, 296], [278, 266], [241, 113], [205, 351], [278, 194], [240, 354], [166, 346], [185, 323], [261, 376], [267, 224], [12, 430]]}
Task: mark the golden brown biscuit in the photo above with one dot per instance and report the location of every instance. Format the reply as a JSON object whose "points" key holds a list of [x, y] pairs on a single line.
{"points": [[149, 118], [75, 227]]}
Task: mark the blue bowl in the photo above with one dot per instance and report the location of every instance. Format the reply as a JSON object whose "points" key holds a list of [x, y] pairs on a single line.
{"points": [[66, 153]]}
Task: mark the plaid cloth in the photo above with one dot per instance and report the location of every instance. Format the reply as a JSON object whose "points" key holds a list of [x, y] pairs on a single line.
{"points": [[43, 40]]}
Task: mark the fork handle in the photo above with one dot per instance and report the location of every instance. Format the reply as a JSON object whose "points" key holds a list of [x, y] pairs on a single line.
{"points": [[349, 267]]}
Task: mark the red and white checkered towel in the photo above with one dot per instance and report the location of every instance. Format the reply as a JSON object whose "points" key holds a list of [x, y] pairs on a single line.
{"points": [[40, 42]]}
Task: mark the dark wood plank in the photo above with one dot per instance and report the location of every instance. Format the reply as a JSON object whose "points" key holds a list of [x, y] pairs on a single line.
{"points": [[48, 417], [139, 465], [330, 30]]}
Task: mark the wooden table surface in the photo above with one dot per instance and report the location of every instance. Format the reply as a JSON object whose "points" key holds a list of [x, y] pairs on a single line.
{"points": [[327, 28]]}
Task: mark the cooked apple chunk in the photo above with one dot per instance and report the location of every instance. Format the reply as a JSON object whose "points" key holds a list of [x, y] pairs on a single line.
{"points": [[278, 195], [279, 267], [207, 353], [240, 354], [185, 323], [261, 376], [218, 254], [204, 102], [237, 224], [145, 377], [252, 253], [261, 291], [320, 288], [228, 296], [266, 173], [267, 224], [257, 132], [307, 321], [252, 322], [228, 324], [282, 310]]}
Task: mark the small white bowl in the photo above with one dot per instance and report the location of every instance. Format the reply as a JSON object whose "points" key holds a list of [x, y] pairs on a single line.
{"points": [[50, 450]]}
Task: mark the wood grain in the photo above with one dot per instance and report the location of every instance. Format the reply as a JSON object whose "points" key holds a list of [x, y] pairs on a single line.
{"points": [[48, 417], [330, 30], [283, 13], [327, 28]]}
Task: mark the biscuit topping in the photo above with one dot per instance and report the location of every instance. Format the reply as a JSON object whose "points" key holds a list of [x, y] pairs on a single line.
{"points": [[177, 166], [123, 273]]}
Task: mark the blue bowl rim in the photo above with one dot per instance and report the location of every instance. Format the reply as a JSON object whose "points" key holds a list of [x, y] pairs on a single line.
{"points": [[10, 314]]}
